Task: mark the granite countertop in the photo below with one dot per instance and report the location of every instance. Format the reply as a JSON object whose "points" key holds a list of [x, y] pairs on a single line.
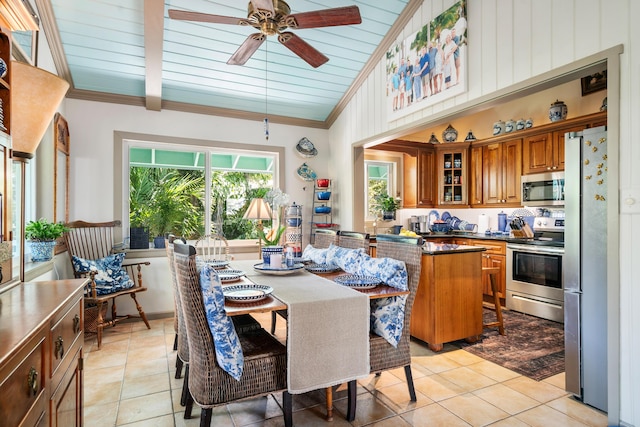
{"points": [[503, 238], [432, 248]]}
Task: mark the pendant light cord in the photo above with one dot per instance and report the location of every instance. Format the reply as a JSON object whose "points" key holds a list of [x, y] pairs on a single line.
{"points": [[266, 90]]}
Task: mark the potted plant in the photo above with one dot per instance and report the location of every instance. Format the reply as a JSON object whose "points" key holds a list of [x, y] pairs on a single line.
{"points": [[42, 236], [388, 205], [271, 242]]}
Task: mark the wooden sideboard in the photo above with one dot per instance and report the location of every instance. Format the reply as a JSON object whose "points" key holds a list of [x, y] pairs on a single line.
{"points": [[41, 339]]}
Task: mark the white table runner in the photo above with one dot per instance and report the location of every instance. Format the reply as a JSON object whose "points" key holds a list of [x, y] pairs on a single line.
{"points": [[327, 331]]}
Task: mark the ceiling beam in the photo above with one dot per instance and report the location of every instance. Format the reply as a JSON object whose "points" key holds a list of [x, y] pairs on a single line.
{"points": [[153, 35]]}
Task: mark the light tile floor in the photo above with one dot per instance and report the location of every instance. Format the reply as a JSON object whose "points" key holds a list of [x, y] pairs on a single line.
{"points": [[130, 382]]}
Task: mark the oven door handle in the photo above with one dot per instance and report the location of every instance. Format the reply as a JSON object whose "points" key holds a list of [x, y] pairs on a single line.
{"points": [[536, 249]]}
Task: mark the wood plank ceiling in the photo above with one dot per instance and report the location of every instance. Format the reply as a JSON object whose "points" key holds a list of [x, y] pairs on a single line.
{"points": [[131, 52]]}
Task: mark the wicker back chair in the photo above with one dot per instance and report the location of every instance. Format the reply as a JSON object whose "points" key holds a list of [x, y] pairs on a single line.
{"points": [[382, 355], [353, 240], [324, 238], [213, 247], [265, 359], [93, 241]]}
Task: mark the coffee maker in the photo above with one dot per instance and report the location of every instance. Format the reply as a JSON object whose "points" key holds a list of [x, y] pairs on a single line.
{"points": [[414, 224]]}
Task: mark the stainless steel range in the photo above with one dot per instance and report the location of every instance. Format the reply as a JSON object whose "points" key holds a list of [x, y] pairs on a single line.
{"points": [[534, 270]]}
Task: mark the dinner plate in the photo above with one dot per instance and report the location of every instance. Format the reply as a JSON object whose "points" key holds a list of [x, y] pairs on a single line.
{"points": [[358, 282], [322, 268], [227, 276], [267, 269], [216, 263], [247, 292]]}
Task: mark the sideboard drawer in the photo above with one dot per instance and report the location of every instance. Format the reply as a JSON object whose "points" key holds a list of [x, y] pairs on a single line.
{"points": [[64, 334], [22, 390]]}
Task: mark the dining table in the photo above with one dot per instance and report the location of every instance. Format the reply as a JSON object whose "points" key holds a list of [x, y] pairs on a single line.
{"points": [[328, 323]]}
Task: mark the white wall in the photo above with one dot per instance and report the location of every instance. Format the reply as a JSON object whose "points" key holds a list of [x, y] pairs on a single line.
{"points": [[510, 42]]}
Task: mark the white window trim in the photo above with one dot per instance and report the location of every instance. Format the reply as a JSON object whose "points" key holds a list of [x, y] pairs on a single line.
{"points": [[123, 140]]}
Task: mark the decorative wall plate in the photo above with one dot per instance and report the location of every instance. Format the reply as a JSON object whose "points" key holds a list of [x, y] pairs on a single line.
{"points": [[305, 148], [306, 173]]}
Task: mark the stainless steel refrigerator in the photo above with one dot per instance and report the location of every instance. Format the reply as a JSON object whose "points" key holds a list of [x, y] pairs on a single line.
{"points": [[585, 265]]}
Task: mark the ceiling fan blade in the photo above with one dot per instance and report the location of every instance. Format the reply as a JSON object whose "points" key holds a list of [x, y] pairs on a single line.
{"points": [[303, 49], [186, 15], [246, 49], [347, 15], [263, 4]]}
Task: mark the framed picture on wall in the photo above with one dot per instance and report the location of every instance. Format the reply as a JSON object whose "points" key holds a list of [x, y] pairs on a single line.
{"points": [[430, 65], [61, 174], [594, 83]]}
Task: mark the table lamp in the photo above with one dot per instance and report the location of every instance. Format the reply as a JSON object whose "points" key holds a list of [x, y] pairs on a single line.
{"points": [[258, 209]]}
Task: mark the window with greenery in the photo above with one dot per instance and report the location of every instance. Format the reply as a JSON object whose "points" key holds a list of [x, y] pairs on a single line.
{"points": [[188, 191], [379, 180]]}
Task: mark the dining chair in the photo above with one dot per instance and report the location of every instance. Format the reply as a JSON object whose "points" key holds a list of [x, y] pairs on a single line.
{"points": [[182, 357], [353, 240], [213, 247], [265, 359], [491, 273], [382, 355], [90, 248], [324, 238]]}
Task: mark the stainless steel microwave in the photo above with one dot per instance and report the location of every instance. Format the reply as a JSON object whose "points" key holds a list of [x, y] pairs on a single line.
{"points": [[543, 189]]}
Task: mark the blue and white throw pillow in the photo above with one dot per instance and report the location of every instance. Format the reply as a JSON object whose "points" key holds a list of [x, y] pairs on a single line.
{"points": [[316, 255], [110, 277], [387, 318], [387, 314], [227, 344], [347, 259], [391, 272]]}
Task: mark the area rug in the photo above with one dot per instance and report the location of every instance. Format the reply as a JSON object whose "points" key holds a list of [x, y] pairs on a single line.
{"points": [[532, 347]]}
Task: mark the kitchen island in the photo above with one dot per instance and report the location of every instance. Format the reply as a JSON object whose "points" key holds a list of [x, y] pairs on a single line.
{"points": [[448, 304]]}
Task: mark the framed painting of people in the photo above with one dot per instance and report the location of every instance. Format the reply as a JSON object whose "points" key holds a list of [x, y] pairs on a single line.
{"points": [[428, 66]]}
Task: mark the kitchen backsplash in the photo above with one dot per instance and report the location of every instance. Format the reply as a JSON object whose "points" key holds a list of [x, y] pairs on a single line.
{"points": [[470, 215]]}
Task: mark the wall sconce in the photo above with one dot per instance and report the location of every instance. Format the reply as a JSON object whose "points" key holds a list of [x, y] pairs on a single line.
{"points": [[35, 97]]}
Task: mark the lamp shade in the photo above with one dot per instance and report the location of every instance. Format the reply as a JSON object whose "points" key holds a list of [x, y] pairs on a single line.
{"points": [[258, 209], [35, 97]]}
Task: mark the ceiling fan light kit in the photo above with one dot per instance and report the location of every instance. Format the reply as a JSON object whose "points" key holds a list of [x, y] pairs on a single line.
{"points": [[273, 17]]}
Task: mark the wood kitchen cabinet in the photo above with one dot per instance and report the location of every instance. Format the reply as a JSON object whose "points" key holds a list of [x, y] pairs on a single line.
{"points": [[501, 171], [418, 172], [544, 152], [41, 354], [451, 165]]}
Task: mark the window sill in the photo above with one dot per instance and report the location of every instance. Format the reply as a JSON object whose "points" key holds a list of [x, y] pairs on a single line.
{"points": [[235, 247]]}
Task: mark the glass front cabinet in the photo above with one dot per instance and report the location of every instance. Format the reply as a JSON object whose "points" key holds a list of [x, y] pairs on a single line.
{"points": [[452, 173]]}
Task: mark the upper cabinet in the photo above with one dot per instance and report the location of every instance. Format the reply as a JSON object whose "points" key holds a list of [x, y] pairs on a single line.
{"points": [[501, 171], [451, 163]]}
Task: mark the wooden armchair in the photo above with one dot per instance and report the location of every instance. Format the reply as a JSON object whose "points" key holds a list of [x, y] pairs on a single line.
{"points": [[94, 241]]}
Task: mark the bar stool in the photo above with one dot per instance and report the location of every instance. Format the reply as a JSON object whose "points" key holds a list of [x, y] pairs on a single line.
{"points": [[491, 272]]}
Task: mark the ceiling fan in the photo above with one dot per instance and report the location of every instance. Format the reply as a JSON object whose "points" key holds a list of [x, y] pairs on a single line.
{"points": [[273, 17]]}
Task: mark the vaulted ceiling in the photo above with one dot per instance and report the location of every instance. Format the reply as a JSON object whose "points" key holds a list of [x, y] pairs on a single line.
{"points": [[132, 52]]}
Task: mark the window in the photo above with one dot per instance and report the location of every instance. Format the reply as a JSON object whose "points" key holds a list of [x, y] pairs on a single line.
{"points": [[189, 188], [379, 180]]}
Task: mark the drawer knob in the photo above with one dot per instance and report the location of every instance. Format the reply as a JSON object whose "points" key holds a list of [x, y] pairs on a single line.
{"points": [[59, 347], [76, 323], [32, 381]]}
